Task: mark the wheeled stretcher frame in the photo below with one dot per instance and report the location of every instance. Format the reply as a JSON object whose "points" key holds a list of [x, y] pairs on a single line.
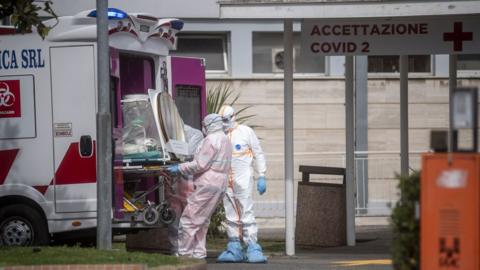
{"points": [[138, 208]]}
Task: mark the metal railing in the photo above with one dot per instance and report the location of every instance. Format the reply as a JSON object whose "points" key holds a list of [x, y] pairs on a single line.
{"points": [[375, 176], [377, 182]]}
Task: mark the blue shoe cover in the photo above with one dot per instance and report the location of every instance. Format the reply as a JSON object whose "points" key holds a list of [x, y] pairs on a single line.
{"points": [[255, 254], [233, 253]]}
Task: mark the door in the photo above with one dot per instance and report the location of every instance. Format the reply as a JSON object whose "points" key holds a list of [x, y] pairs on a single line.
{"points": [[187, 83], [74, 109]]}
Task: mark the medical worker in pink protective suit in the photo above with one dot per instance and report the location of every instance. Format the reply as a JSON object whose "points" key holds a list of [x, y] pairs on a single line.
{"points": [[182, 188], [210, 168], [238, 201]]}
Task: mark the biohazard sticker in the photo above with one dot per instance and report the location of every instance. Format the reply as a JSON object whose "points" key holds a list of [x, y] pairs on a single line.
{"points": [[17, 107], [10, 104]]}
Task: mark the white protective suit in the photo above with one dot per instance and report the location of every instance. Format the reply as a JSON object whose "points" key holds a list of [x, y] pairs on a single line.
{"points": [[238, 201], [210, 168]]}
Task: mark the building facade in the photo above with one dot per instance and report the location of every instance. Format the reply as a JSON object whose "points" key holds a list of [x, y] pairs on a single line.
{"points": [[247, 55]]}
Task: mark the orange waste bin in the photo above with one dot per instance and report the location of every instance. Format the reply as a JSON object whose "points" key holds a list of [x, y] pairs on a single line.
{"points": [[450, 208]]}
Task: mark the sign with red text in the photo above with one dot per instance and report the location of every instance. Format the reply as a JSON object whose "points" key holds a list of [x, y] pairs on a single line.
{"points": [[446, 35]]}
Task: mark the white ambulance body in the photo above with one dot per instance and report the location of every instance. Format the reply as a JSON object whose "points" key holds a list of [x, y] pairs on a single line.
{"points": [[48, 104]]}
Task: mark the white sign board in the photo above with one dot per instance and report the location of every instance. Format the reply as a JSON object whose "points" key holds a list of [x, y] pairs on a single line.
{"points": [[446, 35]]}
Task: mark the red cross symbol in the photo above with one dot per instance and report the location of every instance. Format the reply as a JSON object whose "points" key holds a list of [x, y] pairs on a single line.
{"points": [[458, 36]]}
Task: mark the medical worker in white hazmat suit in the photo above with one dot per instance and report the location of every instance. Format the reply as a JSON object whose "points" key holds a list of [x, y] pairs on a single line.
{"points": [[238, 201], [210, 168]]}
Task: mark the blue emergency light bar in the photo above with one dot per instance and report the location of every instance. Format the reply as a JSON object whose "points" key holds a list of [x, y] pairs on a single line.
{"points": [[177, 24], [113, 13]]}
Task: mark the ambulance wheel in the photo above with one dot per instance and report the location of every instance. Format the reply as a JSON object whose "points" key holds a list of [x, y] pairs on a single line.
{"points": [[22, 225]]}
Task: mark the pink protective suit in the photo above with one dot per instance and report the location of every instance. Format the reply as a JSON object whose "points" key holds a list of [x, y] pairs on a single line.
{"points": [[178, 201], [183, 187], [210, 168]]}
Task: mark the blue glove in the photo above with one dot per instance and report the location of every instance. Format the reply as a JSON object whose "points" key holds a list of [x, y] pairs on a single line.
{"points": [[261, 185], [173, 169]]}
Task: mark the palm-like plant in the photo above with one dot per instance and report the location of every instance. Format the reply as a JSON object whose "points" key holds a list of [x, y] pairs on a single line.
{"points": [[222, 94]]}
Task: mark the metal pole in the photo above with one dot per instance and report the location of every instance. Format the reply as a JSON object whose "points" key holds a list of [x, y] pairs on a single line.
{"points": [[404, 162], [350, 149], [361, 132], [452, 85], [104, 133], [288, 129]]}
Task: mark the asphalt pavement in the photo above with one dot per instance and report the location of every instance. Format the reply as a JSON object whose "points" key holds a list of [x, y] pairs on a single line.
{"points": [[371, 252]]}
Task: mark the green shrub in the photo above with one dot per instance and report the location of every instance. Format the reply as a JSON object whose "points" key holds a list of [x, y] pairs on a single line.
{"points": [[406, 227], [216, 229]]}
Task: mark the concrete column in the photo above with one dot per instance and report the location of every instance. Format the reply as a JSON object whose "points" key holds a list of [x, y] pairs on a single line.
{"points": [[336, 66], [350, 148], [452, 84], [288, 127], [440, 65], [241, 53], [361, 132], [404, 162]]}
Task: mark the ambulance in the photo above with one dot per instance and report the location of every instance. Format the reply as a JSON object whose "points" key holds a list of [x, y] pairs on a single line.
{"points": [[48, 105]]}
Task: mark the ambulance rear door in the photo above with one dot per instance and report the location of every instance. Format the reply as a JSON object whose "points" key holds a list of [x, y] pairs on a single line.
{"points": [[187, 82]]}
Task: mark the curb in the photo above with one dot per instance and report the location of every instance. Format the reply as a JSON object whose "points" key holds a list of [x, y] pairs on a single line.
{"points": [[195, 266], [78, 267], [192, 266]]}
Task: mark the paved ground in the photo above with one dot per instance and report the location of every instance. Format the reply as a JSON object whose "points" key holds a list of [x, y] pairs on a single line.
{"points": [[370, 253]]}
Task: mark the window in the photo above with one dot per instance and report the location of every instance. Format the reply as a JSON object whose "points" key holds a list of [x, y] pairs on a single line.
{"points": [[188, 101], [389, 64], [137, 73], [210, 47], [468, 62], [268, 55]]}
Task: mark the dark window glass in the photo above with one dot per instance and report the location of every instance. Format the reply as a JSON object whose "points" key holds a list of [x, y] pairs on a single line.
{"points": [[137, 74], [209, 47], [468, 62], [390, 64]]}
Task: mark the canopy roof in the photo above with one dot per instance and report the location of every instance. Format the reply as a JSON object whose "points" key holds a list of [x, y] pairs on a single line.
{"points": [[330, 9]]}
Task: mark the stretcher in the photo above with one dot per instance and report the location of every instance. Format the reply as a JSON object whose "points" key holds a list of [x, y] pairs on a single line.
{"points": [[144, 182], [141, 177]]}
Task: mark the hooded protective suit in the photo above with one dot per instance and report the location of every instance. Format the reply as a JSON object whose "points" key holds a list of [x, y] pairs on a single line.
{"points": [[210, 168], [182, 188], [238, 201]]}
